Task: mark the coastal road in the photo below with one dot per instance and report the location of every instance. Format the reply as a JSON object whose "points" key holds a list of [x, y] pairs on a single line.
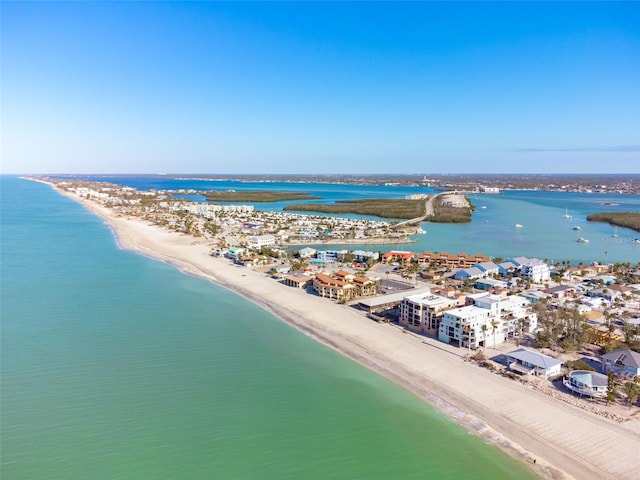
{"points": [[428, 211]]}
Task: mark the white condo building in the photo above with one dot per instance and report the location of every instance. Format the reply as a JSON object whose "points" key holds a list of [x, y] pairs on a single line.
{"points": [[535, 270], [491, 320], [422, 313], [260, 241]]}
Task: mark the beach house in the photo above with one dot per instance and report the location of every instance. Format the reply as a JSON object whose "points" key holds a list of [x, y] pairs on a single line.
{"points": [[584, 382], [621, 362], [526, 362]]}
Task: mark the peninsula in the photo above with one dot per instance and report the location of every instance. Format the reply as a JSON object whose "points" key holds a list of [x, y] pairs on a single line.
{"points": [[619, 219], [553, 438]]}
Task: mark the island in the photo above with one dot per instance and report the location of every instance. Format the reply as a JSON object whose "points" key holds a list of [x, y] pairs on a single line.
{"points": [[618, 219], [446, 207]]}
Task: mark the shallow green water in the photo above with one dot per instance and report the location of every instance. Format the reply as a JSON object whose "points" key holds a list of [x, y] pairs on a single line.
{"points": [[116, 366]]}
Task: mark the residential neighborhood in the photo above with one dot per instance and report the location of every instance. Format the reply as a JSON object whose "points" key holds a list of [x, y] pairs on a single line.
{"points": [[536, 318]]}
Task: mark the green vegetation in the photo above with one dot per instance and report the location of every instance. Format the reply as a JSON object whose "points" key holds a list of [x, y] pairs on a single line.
{"points": [[612, 388], [256, 196], [380, 207], [621, 219], [579, 365], [632, 390]]}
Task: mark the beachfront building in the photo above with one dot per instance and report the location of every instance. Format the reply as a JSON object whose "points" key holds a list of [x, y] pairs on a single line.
{"points": [[235, 253], [343, 286], [526, 362], [584, 382], [332, 288], [465, 326], [423, 312], [389, 301], [298, 281], [489, 320], [625, 363]]}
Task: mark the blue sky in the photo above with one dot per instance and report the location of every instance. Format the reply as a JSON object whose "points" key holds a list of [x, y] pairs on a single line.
{"points": [[285, 87]]}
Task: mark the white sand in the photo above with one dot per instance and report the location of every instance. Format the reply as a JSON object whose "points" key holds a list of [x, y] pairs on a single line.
{"points": [[566, 441]]}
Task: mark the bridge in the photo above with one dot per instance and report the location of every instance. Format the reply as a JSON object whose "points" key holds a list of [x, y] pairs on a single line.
{"points": [[428, 211]]}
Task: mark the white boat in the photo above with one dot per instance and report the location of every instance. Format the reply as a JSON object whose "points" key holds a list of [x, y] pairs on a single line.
{"points": [[577, 227], [519, 225], [582, 240], [635, 240], [566, 213], [615, 233], [421, 231]]}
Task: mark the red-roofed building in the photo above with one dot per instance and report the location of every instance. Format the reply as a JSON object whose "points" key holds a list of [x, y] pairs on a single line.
{"points": [[401, 257], [343, 286]]}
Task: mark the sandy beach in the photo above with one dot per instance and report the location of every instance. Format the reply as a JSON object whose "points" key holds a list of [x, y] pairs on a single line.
{"points": [[565, 441]]}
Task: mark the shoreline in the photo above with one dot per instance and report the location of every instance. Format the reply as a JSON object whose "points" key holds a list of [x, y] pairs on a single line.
{"points": [[565, 441]]}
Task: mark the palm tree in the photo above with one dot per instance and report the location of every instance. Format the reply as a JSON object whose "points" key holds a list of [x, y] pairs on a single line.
{"points": [[484, 337], [494, 325], [632, 390], [612, 388]]}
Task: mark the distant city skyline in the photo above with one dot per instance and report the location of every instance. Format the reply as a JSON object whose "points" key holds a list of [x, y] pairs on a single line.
{"points": [[320, 88]]}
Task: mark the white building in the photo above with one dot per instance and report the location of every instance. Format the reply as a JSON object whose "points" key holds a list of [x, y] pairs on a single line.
{"points": [[259, 241], [489, 321], [423, 312], [307, 252], [532, 268], [526, 362], [535, 270]]}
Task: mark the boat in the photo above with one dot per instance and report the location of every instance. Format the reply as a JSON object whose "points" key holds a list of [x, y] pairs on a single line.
{"points": [[566, 213], [615, 233], [421, 231], [519, 225], [582, 240], [635, 240], [577, 227]]}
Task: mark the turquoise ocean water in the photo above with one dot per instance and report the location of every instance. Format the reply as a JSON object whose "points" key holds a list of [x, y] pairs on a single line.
{"points": [[117, 366]]}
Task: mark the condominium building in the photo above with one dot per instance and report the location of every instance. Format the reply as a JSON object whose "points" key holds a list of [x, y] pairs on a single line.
{"points": [[489, 321], [343, 286], [423, 312], [450, 260], [259, 241]]}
